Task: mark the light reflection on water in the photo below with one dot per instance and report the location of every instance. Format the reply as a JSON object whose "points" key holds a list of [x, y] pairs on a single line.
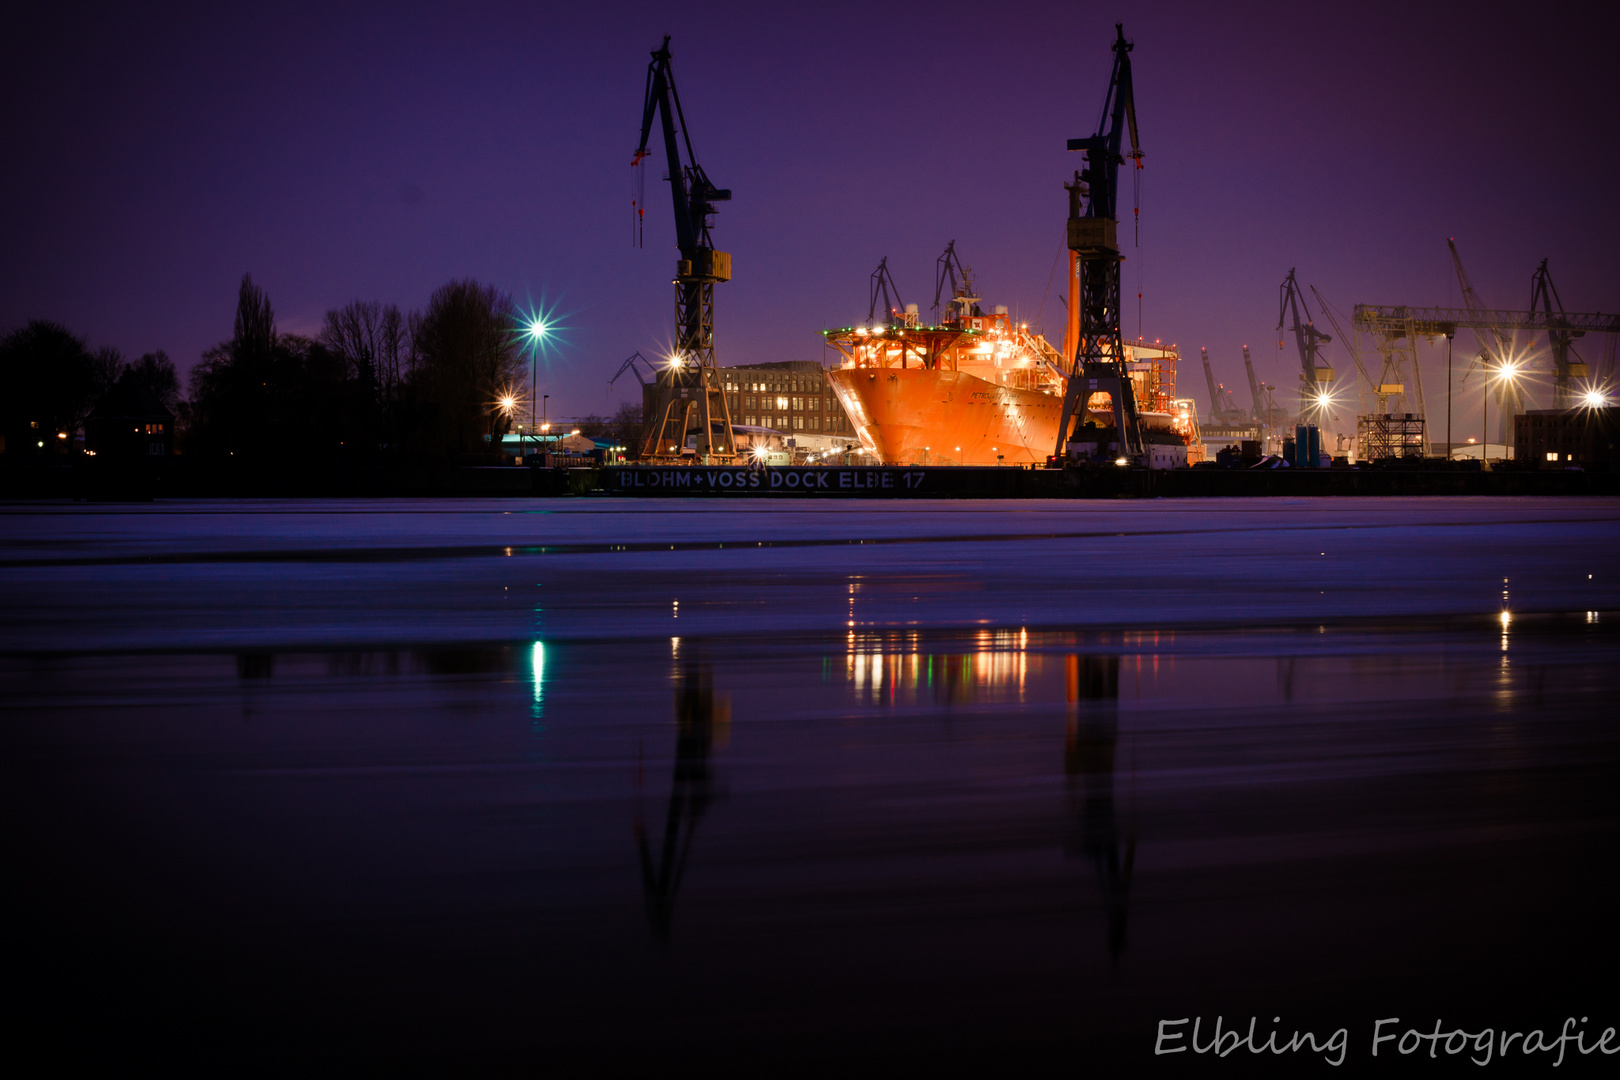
{"points": [[1049, 788]]}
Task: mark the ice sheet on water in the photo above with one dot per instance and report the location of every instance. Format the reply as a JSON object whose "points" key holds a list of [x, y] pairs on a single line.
{"points": [[250, 574]]}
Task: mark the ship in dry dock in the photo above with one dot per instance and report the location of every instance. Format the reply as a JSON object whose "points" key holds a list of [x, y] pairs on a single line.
{"points": [[979, 388]]}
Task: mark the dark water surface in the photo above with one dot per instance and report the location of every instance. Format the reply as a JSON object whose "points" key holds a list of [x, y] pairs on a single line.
{"points": [[499, 786]]}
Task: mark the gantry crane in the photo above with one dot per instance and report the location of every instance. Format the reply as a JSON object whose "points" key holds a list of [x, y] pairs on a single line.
{"points": [[688, 401], [1098, 362], [1316, 375]]}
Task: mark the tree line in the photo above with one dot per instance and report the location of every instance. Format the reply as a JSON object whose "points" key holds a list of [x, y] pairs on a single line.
{"points": [[374, 383]]}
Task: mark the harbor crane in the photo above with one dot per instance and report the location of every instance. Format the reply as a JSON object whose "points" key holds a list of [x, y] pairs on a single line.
{"points": [[1266, 413], [1316, 375], [894, 308], [1560, 337], [1223, 409], [1098, 361], [688, 401], [948, 269]]}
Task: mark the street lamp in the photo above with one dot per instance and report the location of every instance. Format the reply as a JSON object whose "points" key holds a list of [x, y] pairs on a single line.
{"points": [[536, 331], [1506, 372]]}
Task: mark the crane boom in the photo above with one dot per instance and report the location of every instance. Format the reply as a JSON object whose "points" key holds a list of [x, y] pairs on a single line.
{"points": [[1215, 401], [1254, 388], [1344, 339]]}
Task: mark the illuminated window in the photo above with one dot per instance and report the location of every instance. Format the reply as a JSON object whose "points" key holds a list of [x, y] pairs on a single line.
{"points": [[1552, 456], [782, 403]]}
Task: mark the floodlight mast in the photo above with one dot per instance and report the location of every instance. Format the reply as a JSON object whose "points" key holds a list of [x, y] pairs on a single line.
{"points": [[1097, 364], [689, 399]]}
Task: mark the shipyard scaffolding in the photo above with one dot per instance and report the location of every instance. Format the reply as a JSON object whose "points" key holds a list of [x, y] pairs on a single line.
{"points": [[689, 405], [1386, 436]]}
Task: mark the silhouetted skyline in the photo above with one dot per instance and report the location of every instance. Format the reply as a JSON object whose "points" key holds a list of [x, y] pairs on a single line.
{"points": [[156, 156]]}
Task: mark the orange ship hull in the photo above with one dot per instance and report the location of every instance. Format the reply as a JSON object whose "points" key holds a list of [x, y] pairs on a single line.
{"points": [[921, 415]]}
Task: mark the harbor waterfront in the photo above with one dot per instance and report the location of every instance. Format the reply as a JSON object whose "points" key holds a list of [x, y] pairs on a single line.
{"points": [[499, 784], [1007, 482]]}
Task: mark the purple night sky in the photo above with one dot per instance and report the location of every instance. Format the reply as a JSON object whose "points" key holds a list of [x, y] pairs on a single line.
{"points": [[155, 154]]}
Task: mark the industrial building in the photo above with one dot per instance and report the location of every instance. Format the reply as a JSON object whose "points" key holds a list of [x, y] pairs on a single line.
{"points": [[780, 406], [1587, 438], [790, 396]]}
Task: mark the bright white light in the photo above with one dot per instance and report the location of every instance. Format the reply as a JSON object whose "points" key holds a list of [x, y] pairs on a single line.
{"points": [[1507, 617], [538, 328], [508, 402], [1121, 461], [1595, 399]]}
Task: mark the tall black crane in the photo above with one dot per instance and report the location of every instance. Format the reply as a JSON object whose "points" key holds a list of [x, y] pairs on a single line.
{"points": [[1316, 376], [1098, 364], [1560, 337], [688, 400]]}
